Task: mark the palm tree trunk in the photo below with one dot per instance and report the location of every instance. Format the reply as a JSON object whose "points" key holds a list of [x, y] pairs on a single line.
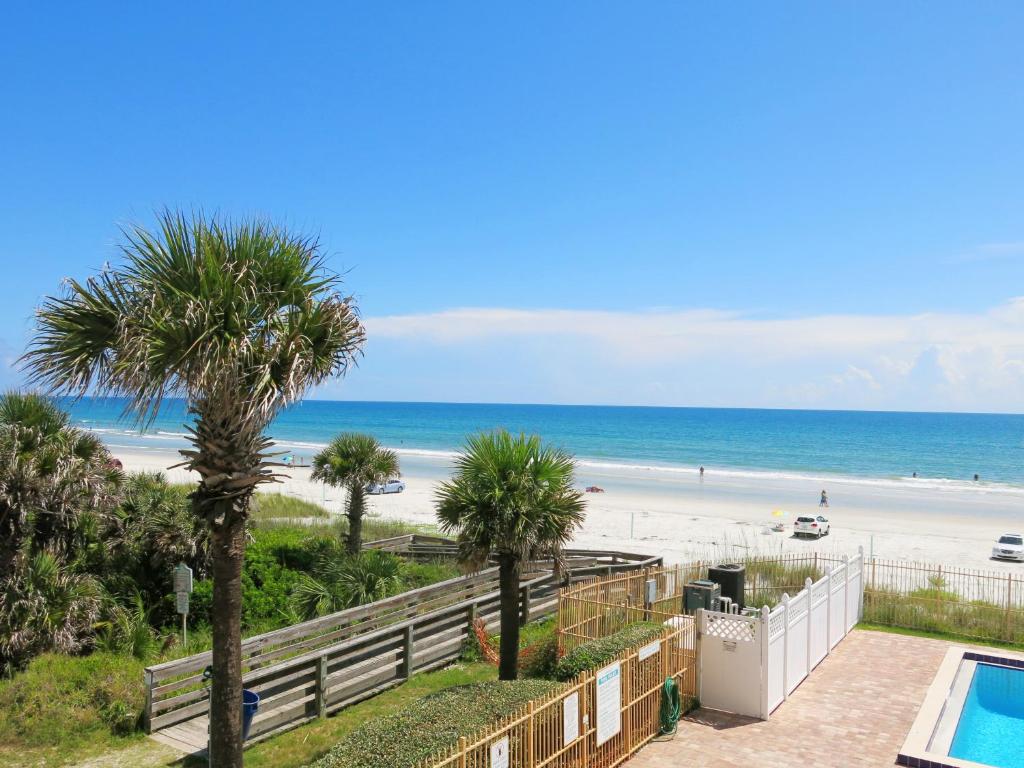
{"points": [[508, 584], [228, 550], [356, 504]]}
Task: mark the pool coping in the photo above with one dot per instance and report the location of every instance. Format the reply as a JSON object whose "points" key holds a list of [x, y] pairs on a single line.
{"points": [[927, 743]]}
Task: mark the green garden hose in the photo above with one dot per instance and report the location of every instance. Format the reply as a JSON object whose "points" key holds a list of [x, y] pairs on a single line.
{"points": [[670, 707]]}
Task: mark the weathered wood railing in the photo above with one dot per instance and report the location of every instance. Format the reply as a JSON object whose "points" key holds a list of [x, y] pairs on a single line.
{"points": [[310, 669]]}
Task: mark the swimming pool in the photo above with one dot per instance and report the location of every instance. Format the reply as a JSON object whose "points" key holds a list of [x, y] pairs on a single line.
{"points": [[973, 715], [991, 726]]}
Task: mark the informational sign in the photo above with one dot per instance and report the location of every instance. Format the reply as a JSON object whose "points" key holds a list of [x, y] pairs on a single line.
{"points": [[499, 753], [181, 602], [182, 578], [609, 702], [648, 650], [570, 719]]}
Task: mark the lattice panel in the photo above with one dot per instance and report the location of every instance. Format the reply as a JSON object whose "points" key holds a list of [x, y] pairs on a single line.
{"points": [[730, 628]]}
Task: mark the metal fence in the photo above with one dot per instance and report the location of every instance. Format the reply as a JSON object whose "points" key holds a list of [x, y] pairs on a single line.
{"points": [[971, 603]]}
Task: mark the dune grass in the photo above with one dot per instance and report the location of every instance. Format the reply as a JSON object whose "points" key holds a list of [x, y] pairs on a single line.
{"points": [[61, 709]]}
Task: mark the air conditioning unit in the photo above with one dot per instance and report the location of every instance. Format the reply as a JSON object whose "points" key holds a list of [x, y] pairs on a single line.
{"points": [[701, 594], [732, 577]]}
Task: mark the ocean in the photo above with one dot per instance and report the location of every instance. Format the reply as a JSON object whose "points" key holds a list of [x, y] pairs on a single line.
{"points": [[942, 448]]}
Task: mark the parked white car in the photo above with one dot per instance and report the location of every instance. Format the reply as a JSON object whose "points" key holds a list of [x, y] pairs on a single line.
{"points": [[1009, 547], [391, 486], [811, 526]]}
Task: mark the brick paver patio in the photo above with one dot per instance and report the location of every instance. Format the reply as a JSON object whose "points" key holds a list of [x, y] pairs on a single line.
{"points": [[854, 710]]}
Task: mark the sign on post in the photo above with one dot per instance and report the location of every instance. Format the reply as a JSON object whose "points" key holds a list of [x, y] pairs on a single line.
{"points": [[182, 589], [182, 578], [609, 702]]}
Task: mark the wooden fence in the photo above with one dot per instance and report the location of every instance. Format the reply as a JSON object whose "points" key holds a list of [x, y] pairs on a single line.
{"points": [[572, 728], [310, 669]]}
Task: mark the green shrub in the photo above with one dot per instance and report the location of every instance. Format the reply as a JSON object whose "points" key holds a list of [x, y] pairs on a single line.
{"points": [[596, 653], [416, 575], [65, 701], [431, 724]]}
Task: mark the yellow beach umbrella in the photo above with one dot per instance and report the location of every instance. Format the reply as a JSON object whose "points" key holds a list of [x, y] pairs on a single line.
{"points": [[779, 513]]}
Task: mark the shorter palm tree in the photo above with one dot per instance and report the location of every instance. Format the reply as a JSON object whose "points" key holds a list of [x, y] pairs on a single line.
{"points": [[353, 461], [514, 497]]}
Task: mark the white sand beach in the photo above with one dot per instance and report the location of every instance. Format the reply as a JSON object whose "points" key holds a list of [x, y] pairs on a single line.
{"points": [[679, 516]]}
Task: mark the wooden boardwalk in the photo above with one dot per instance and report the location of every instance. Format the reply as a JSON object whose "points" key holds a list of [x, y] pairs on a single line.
{"points": [[188, 737]]}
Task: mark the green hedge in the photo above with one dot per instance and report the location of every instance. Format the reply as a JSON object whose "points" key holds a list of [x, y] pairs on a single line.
{"points": [[596, 653], [430, 724]]}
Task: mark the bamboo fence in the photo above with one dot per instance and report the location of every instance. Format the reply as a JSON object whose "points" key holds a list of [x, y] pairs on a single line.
{"points": [[537, 735]]}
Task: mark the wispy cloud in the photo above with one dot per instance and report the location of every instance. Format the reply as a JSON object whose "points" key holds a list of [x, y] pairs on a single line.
{"points": [[955, 361], [990, 252]]}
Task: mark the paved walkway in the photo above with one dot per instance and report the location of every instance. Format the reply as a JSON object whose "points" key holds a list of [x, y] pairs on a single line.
{"points": [[854, 710]]}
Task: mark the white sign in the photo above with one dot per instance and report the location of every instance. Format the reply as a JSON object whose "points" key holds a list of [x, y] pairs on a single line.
{"points": [[570, 719], [182, 578], [499, 753], [181, 602], [648, 650], [609, 702]]}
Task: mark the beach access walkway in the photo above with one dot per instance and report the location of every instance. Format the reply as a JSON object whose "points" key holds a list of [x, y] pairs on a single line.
{"points": [[854, 711]]}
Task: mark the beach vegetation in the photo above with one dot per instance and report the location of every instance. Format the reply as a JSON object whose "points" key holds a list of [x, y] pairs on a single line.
{"points": [[353, 461], [594, 654], [240, 320], [511, 496], [432, 723], [337, 583]]}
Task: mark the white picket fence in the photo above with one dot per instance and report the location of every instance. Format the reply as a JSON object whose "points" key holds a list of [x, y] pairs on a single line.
{"points": [[750, 664]]}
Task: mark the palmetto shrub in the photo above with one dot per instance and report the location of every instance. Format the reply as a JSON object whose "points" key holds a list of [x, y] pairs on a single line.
{"points": [[45, 607], [342, 581]]}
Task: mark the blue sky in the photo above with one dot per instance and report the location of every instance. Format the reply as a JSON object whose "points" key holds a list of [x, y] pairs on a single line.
{"points": [[786, 204]]}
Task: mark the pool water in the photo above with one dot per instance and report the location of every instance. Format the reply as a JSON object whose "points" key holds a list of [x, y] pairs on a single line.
{"points": [[991, 726]]}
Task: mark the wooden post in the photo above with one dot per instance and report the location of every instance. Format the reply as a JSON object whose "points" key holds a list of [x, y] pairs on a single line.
{"points": [[408, 643], [530, 749], [148, 712], [462, 752], [320, 691], [525, 600]]}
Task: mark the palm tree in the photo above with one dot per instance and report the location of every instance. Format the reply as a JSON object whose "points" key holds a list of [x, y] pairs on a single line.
{"points": [[51, 476], [237, 318], [514, 497], [355, 461]]}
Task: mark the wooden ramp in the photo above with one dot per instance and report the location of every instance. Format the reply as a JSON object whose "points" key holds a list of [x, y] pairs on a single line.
{"points": [[189, 737]]}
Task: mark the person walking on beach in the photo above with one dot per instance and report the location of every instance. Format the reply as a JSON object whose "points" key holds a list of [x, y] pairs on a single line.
{"points": [[824, 499], [702, 472]]}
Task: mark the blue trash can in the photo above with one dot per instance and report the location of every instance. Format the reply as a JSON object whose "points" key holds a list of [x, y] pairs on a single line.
{"points": [[250, 703]]}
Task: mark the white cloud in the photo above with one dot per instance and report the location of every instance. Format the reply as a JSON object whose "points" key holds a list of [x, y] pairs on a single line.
{"points": [[955, 361]]}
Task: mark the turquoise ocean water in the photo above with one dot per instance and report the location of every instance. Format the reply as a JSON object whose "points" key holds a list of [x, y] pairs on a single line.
{"points": [[942, 447]]}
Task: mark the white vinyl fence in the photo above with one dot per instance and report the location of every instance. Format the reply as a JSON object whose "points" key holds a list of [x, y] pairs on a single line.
{"points": [[750, 664]]}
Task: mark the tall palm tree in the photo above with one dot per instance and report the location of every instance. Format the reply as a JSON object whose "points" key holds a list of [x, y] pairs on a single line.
{"points": [[353, 461], [237, 318], [514, 497]]}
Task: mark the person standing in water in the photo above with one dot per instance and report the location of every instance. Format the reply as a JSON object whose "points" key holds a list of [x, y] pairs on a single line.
{"points": [[702, 472], [824, 499]]}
